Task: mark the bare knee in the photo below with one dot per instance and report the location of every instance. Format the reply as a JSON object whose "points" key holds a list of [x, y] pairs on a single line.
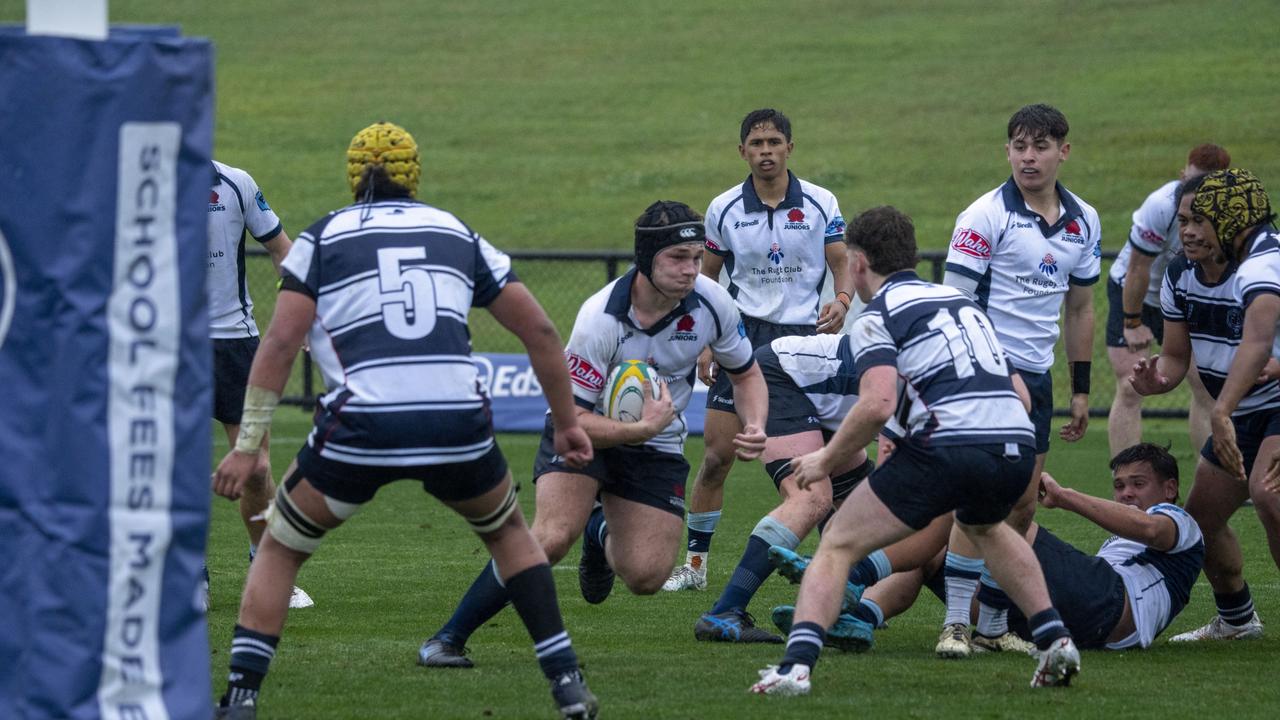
{"points": [[555, 538], [646, 581]]}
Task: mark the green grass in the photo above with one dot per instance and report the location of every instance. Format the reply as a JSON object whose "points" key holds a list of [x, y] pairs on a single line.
{"points": [[393, 574]]}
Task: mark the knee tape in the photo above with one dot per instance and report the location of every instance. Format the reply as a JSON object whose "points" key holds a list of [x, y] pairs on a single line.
{"points": [[293, 529], [488, 523], [775, 533], [778, 470]]}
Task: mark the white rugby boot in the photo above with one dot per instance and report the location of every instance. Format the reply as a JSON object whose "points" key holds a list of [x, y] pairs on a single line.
{"points": [[1219, 629], [772, 682], [1058, 664]]}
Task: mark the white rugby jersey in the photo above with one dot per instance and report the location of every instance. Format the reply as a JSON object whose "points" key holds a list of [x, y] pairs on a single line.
{"points": [[775, 257], [1154, 233], [823, 368], [393, 282], [1259, 274], [1214, 315], [605, 333], [955, 387], [1023, 266], [236, 206], [1158, 583]]}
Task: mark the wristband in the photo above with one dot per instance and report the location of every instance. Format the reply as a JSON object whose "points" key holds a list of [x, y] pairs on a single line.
{"points": [[848, 299], [1131, 323], [1132, 316], [259, 405], [1080, 377]]}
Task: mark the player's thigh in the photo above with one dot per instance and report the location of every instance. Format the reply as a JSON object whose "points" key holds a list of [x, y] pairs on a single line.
{"points": [[793, 445], [1265, 502], [1215, 495], [863, 523], [642, 538], [563, 504]]}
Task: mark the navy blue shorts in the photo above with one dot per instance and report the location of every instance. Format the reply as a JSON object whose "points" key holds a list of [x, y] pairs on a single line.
{"points": [[918, 483], [358, 484], [790, 410], [1084, 589], [1040, 386], [634, 472], [759, 333], [1151, 316], [1251, 430], [231, 362]]}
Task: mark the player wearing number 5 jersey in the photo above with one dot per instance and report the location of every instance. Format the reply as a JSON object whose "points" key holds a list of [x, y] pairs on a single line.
{"points": [[966, 444], [381, 290]]}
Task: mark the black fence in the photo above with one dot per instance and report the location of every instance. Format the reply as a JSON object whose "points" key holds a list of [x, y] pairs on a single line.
{"points": [[562, 280]]}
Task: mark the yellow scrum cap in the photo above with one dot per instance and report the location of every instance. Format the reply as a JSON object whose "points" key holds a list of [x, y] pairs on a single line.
{"points": [[390, 146]]}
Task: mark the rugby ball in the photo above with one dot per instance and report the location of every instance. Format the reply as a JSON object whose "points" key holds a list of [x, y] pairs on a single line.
{"points": [[624, 390]]}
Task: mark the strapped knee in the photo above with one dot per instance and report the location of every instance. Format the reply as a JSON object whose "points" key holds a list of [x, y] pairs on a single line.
{"points": [[290, 526], [775, 533], [486, 524]]}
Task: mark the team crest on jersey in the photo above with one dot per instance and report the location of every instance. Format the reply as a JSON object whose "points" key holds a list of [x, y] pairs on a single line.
{"points": [[971, 243], [8, 288], [1235, 321], [684, 330], [262, 202], [215, 203], [1097, 248], [795, 221], [1071, 233], [583, 374], [1049, 266], [775, 253]]}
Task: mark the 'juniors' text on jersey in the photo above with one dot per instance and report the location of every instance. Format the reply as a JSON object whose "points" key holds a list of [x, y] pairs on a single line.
{"points": [[775, 257], [1154, 233], [605, 333], [236, 206], [1023, 266], [1158, 583], [955, 385], [393, 282], [1214, 316]]}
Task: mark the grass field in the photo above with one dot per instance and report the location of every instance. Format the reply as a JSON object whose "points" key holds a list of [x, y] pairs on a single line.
{"points": [[551, 125], [393, 574]]}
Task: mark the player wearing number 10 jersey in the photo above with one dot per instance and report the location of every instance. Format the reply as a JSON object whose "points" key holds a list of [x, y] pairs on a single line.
{"points": [[382, 289], [965, 444]]}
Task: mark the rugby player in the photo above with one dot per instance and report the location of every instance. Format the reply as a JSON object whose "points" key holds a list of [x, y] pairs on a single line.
{"points": [[1220, 303], [775, 235], [664, 312], [1133, 298], [381, 290], [237, 208], [966, 445], [1020, 251]]}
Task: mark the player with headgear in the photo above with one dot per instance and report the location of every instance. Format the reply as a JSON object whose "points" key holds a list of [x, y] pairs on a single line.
{"points": [[388, 331], [663, 312], [1232, 262]]}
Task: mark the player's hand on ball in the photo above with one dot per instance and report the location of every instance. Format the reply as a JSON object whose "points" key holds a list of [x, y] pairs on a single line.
{"points": [[749, 442], [811, 468], [1146, 378], [573, 445], [234, 471], [706, 367], [660, 413]]}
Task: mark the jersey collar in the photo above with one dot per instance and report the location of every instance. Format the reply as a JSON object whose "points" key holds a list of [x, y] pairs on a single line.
{"points": [[898, 277], [619, 305], [1014, 201], [751, 201]]}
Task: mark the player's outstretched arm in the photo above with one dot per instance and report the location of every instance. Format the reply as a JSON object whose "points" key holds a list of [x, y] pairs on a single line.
{"points": [[1155, 531], [752, 404], [877, 398], [1161, 373], [517, 310], [1250, 359], [272, 362]]}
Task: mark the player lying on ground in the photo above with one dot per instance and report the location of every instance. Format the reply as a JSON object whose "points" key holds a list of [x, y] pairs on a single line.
{"points": [[403, 402], [665, 312], [1122, 597], [1230, 262], [967, 446]]}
